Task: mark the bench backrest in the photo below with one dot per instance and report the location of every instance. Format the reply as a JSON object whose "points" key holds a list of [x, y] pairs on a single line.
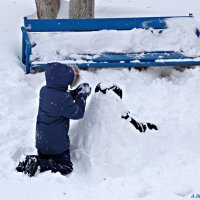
{"points": [[61, 25]]}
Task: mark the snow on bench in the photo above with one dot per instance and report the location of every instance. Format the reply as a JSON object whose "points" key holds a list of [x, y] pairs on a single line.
{"points": [[111, 42]]}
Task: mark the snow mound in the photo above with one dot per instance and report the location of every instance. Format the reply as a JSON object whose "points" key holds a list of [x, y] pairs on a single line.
{"points": [[102, 141]]}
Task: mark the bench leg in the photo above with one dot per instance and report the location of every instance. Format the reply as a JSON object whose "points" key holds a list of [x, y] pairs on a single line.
{"points": [[28, 53]]}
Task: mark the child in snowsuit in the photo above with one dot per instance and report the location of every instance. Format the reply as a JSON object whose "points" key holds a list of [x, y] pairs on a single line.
{"points": [[57, 106]]}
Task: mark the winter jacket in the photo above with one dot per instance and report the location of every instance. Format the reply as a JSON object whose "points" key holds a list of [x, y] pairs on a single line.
{"points": [[56, 107]]}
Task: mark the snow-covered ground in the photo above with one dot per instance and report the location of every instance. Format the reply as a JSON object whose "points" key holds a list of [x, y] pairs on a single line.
{"points": [[111, 159]]}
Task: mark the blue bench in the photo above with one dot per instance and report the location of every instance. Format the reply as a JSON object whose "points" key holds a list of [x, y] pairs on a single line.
{"points": [[106, 59]]}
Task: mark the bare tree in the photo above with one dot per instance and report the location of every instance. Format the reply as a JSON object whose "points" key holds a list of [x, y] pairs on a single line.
{"points": [[81, 8], [47, 9]]}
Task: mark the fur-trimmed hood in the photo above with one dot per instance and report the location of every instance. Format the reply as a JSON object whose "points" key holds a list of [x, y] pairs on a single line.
{"points": [[76, 75], [60, 76]]}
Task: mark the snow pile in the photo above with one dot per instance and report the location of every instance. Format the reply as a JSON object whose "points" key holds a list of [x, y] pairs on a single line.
{"points": [[104, 146], [179, 36], [102, 141]]}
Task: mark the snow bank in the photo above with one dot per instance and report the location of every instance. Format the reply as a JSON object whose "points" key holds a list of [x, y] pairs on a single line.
{"points": [[106, 147], [102, 141]]}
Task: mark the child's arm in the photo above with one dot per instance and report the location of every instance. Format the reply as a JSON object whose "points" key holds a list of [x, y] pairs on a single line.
{"points": [[74, 108], [73, 93], [82, 88]]}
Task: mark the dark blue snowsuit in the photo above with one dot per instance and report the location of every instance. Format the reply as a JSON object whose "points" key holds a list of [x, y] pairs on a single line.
{"points": [[57, 106]]}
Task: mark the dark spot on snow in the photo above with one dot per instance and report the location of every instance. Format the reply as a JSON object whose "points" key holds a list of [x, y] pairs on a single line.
{"points": [[184, 193]]}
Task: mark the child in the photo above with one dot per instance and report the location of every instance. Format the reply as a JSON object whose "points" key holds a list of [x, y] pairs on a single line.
{"points": [[57, 106]]}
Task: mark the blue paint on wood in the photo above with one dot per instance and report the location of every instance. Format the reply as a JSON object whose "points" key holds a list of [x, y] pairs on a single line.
{"points": [[111, 60], [59, 25], [129, 65], [106, 59]]}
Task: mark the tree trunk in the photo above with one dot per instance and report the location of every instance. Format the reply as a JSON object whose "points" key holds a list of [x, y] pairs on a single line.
{"points": [[47, 9], [81, 8]]}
